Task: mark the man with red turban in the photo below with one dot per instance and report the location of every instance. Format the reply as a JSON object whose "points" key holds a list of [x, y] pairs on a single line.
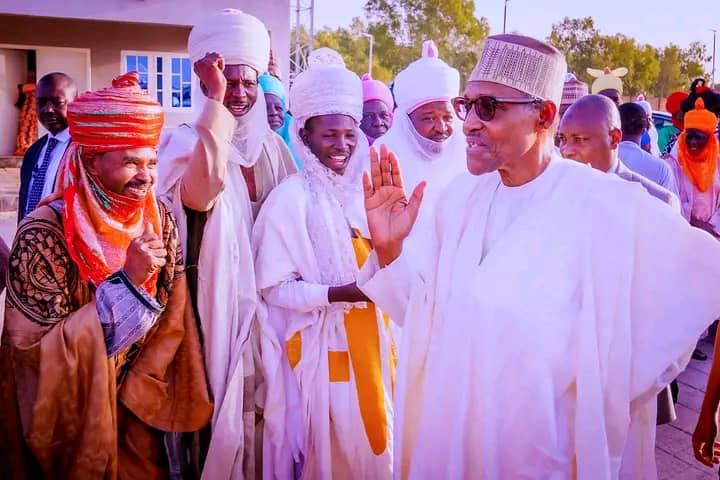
{"points": [[100, 363], [668, 135]]}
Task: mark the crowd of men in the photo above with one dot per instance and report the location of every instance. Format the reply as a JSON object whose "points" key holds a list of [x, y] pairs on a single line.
{"points": [[357, 281]]}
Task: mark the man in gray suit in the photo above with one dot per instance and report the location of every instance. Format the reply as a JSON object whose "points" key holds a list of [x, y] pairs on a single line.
{"points": [[590, 132], [634, 122]]}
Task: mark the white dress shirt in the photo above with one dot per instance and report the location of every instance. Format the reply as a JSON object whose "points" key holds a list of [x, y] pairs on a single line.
{"points": [[63, 139]]}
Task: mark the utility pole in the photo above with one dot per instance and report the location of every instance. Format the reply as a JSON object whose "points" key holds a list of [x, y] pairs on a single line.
{"points": [[304, 30], [505, 17], [713, 64], [371, 39]]}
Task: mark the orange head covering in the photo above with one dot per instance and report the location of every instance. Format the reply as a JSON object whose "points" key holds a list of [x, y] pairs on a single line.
{"points": [[99, 224], [700, 167], [673, 104], [701, 118]]}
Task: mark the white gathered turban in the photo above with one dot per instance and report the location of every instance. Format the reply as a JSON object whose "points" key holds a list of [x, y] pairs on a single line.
{"points": [[327, 87], [426, 80], [240, 38], [523, 68]]}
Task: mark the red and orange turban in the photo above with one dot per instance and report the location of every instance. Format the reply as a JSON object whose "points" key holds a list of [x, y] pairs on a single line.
{"points": [[99, 224], [673, 104]]}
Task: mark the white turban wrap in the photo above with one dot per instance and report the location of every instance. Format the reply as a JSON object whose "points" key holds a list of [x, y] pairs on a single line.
{"points": [[539, 74], [426, 80], [240, 38], [325, 88]]}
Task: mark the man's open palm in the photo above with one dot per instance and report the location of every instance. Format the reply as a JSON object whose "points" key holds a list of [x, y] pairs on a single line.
{"points": [[390, 214]]}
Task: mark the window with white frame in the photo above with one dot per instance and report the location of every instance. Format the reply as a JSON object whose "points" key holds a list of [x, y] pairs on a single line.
{"points": [[167, 76]]}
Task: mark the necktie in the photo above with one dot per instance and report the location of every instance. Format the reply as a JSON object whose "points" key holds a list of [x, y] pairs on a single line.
{"points": [[38, 178]]}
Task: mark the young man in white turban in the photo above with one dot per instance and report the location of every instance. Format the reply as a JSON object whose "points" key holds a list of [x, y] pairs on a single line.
{"points": [[581, 273], [332, 388], [217, 172]]}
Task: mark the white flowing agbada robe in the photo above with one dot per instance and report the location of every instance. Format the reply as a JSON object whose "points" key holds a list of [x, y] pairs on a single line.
{"points": [[323, 420], [328, 412], [550, 316], [438, 170], [227, 298]]}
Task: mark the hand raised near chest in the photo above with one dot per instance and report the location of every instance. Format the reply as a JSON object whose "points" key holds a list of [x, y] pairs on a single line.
{"points": [[145, 256], [390, 214]]}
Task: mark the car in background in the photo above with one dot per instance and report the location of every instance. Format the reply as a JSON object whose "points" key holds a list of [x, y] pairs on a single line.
{"points": [[665, 128]]}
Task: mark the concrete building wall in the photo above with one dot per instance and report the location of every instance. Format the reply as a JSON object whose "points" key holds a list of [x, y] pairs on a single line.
{"points": [[106, 41], [107, 28], [274, 13], [12, 72]]}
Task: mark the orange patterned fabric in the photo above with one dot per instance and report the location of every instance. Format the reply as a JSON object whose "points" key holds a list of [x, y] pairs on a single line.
{"points": [[99, 225], [27, 126]]}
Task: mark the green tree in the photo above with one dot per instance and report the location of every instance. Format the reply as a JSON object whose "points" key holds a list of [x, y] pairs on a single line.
{"points": [[580, 41], [654, 72], [671, 76], [452, 24], [641, 61], [399, 27], [693, 60], [354, 47]]}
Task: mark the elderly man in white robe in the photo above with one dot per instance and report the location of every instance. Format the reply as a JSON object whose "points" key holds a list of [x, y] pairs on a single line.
{"points": [[585, 275], [426, 135], [217, 172]]}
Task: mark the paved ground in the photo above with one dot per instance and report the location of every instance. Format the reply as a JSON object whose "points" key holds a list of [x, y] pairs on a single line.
{"points": [[673, 446], [7, 232], [7, 226]]}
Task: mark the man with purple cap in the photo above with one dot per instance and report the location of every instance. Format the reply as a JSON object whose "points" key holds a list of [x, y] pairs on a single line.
{"points": [[573, 90], [584, 274], [378, 106]]}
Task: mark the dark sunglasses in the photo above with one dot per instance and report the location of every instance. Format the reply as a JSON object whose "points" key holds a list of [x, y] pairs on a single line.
{"points": [[486, 106]]}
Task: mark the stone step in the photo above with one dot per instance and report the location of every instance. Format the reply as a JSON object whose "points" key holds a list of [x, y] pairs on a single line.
{"points": [[8, 203], [10, 161], [9, 183]]}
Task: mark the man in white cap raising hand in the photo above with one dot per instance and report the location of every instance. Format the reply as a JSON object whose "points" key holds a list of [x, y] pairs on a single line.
{"points": [[546, 319], [217, 172]]}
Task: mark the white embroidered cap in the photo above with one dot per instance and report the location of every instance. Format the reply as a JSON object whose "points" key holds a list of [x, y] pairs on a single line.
{"points": [[326, 87], [521, 67]]}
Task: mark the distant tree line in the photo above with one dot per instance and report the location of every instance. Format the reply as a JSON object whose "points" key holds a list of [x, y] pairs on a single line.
{"points": [[400, 26]]}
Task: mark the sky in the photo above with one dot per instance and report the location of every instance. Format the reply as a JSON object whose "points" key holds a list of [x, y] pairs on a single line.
{"points": [[657, 22]]}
